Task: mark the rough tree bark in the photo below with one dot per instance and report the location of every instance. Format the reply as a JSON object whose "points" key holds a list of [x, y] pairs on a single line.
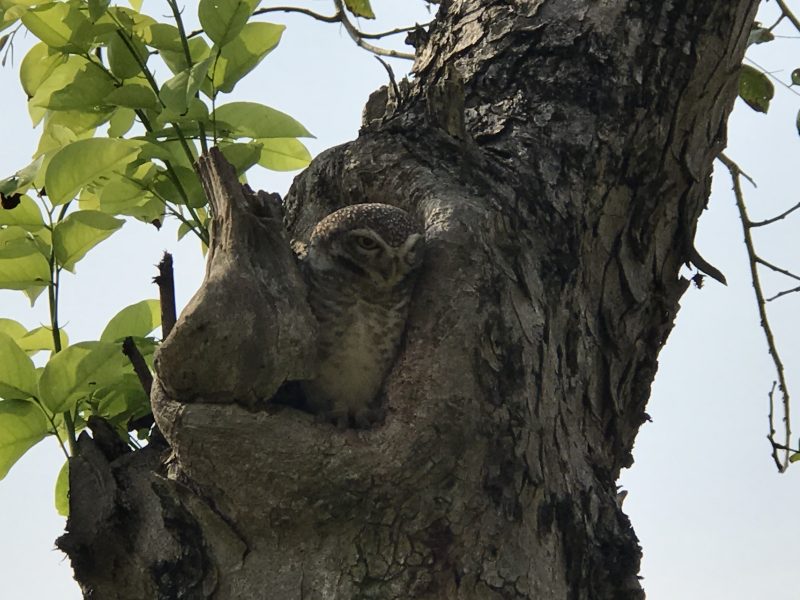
{"points": [[559, 154]]}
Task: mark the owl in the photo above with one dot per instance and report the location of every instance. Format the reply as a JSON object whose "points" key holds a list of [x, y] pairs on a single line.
{"points": [[360, 267]]}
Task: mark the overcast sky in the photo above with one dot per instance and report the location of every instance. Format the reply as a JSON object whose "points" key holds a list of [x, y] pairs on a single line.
{"points": [[714, 518]]}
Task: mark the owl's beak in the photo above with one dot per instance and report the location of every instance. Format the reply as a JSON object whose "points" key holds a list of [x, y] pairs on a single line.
{"points": [[391, 271]]}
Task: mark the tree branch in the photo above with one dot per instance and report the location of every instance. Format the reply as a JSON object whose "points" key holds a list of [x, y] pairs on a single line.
{"points": [[754, 260]]}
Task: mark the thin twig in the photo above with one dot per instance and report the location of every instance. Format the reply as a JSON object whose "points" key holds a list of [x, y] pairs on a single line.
{"points": [[776, 268], [788, 14], [383, 34], [783, 215], [356, 36], [784, 293], [303, 11], [754, 260]]}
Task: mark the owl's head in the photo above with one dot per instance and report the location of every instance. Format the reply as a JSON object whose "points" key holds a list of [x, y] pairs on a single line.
{"points": [[372, 242]]}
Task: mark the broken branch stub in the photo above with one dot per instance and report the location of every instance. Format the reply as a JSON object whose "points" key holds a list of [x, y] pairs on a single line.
{"points": [[248, 328]]}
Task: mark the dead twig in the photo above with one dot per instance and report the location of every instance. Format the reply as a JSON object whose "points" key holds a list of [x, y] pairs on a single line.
{"points": [[754, 260]]}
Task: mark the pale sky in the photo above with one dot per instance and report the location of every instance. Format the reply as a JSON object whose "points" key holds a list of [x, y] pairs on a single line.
{"points": [[714, 517]]}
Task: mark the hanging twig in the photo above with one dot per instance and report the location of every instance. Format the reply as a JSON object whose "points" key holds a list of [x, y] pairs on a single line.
{"points": [[755, 260]]}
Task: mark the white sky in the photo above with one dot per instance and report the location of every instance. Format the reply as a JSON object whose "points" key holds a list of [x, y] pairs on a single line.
{"points": [[713, 516]]}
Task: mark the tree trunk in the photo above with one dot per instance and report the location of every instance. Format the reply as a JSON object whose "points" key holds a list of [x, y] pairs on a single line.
{"points": [[559, 153]]}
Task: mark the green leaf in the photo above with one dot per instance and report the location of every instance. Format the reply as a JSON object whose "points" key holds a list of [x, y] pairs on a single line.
{"points": [[12, 328], [40, 339], [283, 154], [77, 371], [249, 119], [26, 215], [22, 426], [37, 66], [360, 8], [80, 232], [121, 60], [17, 373], [176, 59], [133, 95], [137, 320], [163, 36], [222, 20], [242, 54], [794, 457], [82, 162], [242, 156], [122, 400], [75, 84], [131, 196], [121, 122], [23, 265], [755, 88], [62, 490], [97, 8], [60, 25], [180, 89]]}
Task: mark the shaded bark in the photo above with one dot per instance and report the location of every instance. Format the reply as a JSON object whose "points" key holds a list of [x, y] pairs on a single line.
{"points": [[559, 153]]}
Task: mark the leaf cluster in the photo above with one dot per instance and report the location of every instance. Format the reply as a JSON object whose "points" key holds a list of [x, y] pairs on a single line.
{"points": [[125, 102]]}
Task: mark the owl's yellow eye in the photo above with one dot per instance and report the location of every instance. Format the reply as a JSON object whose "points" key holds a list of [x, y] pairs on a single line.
{"points": [[365, 242]]}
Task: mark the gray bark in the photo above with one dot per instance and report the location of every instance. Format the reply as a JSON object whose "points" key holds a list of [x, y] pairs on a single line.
{"points": [[559, 153]]}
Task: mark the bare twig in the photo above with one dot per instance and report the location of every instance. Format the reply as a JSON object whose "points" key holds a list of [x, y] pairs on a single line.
{"points": [[166, 290], [784, 293], [788, 14], [383, 34], [776, 268], [754, 260], [781, 216], [358, 38], [303, 11]]}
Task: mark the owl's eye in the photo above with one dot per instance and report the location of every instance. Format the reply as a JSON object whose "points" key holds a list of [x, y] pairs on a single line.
{"points": [[365, 242]]}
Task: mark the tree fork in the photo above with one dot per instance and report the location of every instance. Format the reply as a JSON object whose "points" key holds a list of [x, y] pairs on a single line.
{"points": [[559, 153]]}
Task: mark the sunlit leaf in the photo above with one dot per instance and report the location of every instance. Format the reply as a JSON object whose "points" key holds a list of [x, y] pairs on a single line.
{"points": [[23, 265], [79, 232], [133, 95], [17, 373], [126, 55], [137, 320], [360, 8], [26, 215], [62, 490], [40, 339], [77, 371], [60, 25], [222, 20], [242, 54], [22, 426], [12, 328], [283, 154], [249, 119], [84, 161]]}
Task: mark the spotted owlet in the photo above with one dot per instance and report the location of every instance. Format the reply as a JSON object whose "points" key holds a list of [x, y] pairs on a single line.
{"points": [[360, 268]]}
